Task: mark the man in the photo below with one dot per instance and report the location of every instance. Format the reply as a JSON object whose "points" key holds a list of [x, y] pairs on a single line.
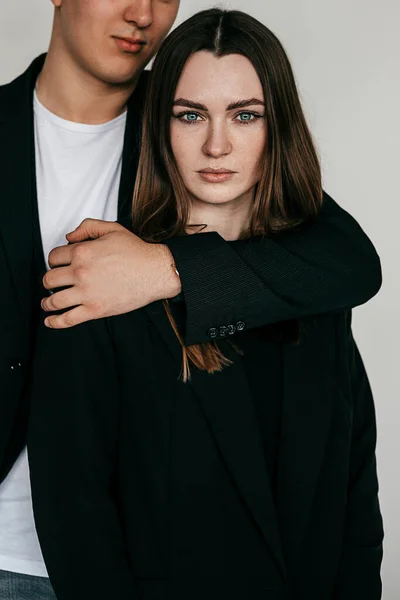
{"points": [[70, 132]]}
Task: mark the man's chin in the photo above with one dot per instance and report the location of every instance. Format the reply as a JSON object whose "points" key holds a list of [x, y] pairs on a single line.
{"points": [[120, 76], [125, 80]]}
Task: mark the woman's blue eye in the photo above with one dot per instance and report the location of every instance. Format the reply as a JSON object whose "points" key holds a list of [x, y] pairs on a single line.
{"points": [[190, 117], [245, 117]]}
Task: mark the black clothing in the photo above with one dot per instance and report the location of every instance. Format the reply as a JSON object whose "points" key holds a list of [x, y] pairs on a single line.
{"points": [[262, 364], [330, 266], [268, 280], [145, 487]]}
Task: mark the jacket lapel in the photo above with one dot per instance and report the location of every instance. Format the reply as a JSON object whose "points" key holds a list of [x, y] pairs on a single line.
{"points": [[131, 151], [16, 156], [228, 408], [306, 419]]}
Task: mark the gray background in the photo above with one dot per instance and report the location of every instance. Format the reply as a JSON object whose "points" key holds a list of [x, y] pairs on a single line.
{"points": [[346, 56]]}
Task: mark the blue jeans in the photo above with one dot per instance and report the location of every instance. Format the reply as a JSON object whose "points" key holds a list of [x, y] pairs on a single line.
{"points": [[17, 586]]}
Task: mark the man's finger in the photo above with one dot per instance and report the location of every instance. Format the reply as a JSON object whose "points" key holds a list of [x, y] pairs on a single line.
{"points": [[61, 300], [92, 229], [73, 317], [60, 256], [57, 278]]}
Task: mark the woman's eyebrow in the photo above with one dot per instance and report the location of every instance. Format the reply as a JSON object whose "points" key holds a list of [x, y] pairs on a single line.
{"points": [[189, 104], [232, 106], [245, 103]]}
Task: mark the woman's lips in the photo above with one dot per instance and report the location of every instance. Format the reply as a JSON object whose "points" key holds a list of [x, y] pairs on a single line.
{"points": [[217, 176], [127, 45]]}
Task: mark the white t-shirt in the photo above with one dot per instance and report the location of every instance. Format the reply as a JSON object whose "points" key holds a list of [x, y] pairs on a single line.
{"points": [[78, 170]]}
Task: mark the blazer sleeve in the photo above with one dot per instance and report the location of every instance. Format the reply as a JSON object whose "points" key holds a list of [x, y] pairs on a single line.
{"points": [[327, 266], [72, 441], [359, 574]]}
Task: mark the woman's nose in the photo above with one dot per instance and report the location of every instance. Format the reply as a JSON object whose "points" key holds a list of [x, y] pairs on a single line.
{"points": [[217, 143]]}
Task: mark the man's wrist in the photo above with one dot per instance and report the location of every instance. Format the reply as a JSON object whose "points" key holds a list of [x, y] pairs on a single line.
{"points": [[170, 281]]}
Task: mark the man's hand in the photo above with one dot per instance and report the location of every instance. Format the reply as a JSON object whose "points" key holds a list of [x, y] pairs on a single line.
{"points": [[111, 273]]}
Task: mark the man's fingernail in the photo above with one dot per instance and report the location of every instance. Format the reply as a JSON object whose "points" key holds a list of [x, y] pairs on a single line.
{"points": [[47, 323]]}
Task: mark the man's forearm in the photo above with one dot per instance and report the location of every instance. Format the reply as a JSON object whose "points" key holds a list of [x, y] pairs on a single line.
{"points": [[327, 266]]}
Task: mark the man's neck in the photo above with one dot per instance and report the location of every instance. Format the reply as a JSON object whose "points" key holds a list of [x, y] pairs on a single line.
{"points": [[74, 95]]}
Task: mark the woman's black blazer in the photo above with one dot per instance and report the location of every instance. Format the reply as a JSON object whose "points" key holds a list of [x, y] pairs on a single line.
{"points": [[148, 488]]}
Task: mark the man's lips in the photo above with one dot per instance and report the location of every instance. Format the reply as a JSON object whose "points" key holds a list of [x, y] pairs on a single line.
{"points": [[132, 45]]}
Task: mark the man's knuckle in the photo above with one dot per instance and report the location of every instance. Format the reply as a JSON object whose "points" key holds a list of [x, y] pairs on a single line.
{"points": [[96, 308], [80, 274], [48, 303], [56, 303], [52, 280], [80, 252], [68, 320]]}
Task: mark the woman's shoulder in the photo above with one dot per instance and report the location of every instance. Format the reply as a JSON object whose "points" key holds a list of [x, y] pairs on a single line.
{"points": [[325, 336], [318, 325]]}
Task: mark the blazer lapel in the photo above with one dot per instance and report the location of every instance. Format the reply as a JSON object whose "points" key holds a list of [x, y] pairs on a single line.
{"points": [[227, 405], [306, 419], [17, 155], [131, 151]]}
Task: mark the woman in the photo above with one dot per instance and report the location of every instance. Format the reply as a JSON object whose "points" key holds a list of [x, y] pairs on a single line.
{"points": [[243, 469]]}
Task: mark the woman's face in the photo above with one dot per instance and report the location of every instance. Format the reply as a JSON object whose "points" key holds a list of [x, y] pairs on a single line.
{"points": [[218, 128]]}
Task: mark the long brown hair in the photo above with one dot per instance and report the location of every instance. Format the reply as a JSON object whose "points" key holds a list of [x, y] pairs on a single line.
{"points": [[289, 193]]}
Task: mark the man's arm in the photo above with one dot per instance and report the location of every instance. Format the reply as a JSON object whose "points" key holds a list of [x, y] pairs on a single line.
{"points": [[359, 573], [329, 265]]}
